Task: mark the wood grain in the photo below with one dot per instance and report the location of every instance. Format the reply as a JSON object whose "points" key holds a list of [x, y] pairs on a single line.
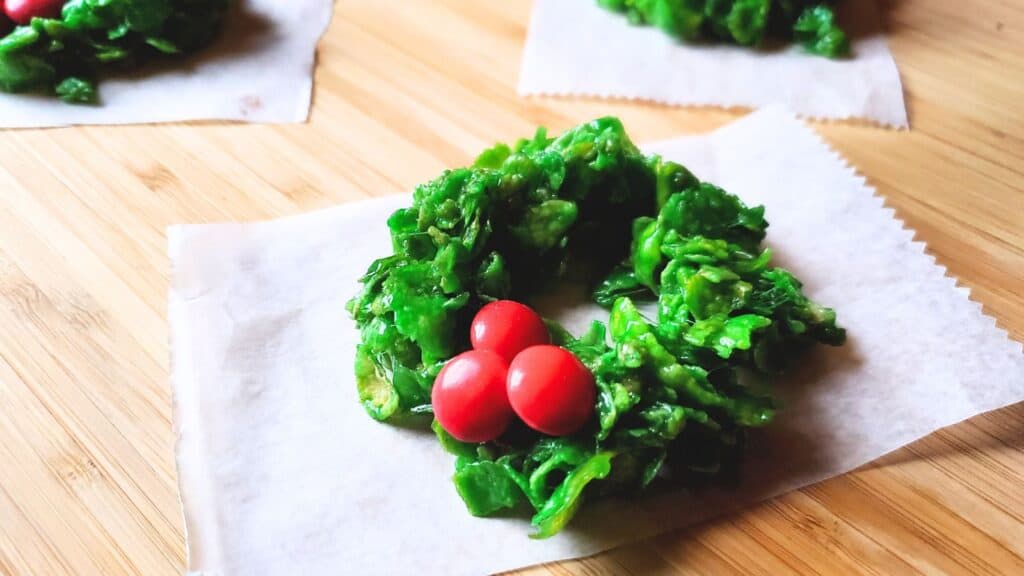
{"points": [[406, 88]]}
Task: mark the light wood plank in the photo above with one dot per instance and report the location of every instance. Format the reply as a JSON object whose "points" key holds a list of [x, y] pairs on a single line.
{"points": [[405, 89]]}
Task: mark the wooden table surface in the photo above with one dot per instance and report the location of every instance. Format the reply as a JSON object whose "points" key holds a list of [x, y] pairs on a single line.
{"points": [[406, 88]]}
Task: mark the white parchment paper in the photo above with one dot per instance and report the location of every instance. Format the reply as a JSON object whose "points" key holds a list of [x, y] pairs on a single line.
{"points": [[574, 47], [282, 472], [259, 70]]}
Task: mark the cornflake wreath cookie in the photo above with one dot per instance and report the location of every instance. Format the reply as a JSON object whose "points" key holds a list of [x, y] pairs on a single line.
{"points": [[541, 418], [61, 46], [810, 23]]}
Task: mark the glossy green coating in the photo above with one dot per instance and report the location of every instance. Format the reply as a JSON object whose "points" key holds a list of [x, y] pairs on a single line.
{"points": [[636, 228], [63, 56], [811, 23]]}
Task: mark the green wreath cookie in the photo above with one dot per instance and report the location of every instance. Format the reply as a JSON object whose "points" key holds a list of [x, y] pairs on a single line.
{"points": [[669, 406], [811, 23], [61, 47]]}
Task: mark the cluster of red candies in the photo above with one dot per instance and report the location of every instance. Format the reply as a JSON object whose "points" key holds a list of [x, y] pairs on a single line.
{"points": [[23, 11], [512, 370]]}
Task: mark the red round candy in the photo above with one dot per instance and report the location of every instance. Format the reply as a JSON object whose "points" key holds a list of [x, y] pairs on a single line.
{"points": [[507, 328], [469, 397], [551, 390], [23, 11]]}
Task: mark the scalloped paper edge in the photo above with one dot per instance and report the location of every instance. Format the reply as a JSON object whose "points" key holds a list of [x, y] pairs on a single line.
{"points": [[912, 236]]}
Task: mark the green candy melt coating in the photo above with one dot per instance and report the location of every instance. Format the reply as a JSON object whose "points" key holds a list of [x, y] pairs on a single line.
{"points": [[671, 406]]}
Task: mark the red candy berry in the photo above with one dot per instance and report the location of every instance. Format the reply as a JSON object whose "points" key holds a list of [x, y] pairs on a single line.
{"points": [[469, 396], [551, 390], [23, 11], [507, 328], [512, 369]]}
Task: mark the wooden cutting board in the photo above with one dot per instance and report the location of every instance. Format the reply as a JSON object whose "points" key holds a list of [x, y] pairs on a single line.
{"points": [[406, 88]]}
